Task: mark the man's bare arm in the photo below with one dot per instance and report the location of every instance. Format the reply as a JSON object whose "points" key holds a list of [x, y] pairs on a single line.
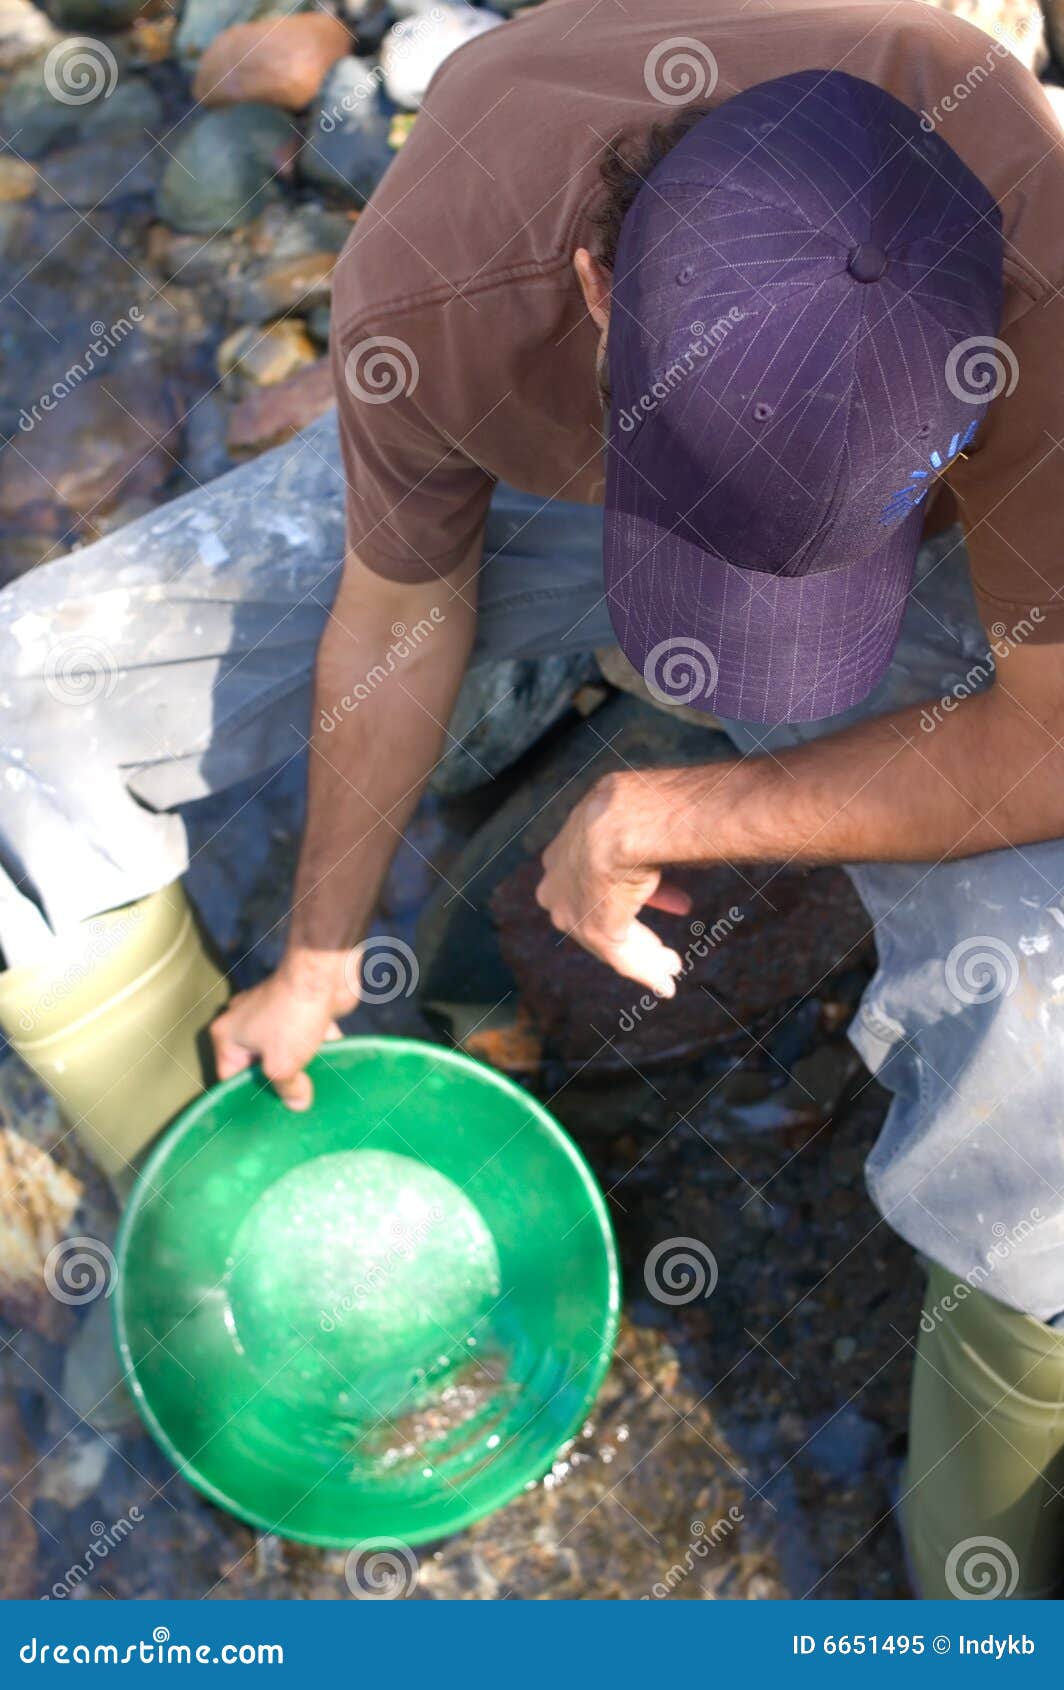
{"points": [[989, 773], [389, 667]]}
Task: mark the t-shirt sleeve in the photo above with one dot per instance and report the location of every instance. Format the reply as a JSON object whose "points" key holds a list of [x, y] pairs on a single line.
{"points": [[1010, 491], [415, 501]]}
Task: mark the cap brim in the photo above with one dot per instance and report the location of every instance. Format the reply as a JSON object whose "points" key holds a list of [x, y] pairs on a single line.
{"points": [[744, 644]]}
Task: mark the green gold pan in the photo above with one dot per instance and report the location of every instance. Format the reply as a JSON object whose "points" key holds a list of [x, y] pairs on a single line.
{"points": [[378, 1319]]}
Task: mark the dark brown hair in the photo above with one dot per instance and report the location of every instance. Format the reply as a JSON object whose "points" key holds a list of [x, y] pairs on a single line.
{"points": [[626, 164]]}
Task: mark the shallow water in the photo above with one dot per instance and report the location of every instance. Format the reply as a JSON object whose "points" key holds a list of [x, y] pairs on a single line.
{"points": [[745, 1443]]}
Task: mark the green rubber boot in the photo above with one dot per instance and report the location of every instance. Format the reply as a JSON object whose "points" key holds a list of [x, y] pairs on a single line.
{"points": [[983, 1499], [114, 1023]]}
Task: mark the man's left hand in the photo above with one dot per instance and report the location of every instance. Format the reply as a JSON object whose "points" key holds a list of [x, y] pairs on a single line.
{"points": [[593, 894]]}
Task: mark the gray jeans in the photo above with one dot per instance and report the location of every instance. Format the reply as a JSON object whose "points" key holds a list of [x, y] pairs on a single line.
{"points": [[174, 659]]}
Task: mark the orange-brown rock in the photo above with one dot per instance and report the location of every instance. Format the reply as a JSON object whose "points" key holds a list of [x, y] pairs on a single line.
{"points": [[276, 62], [270, 415]]}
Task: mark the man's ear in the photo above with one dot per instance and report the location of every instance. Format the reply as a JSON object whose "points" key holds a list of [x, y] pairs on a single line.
{"points": [[594, 281]]}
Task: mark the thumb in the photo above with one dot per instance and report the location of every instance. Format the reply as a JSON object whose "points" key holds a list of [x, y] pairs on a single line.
{"points": [[292, 1086], [642, 956]]}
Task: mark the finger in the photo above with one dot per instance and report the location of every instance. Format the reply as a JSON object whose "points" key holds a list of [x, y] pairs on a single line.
{"points": [[294, 1089], [641, 956], [229, 1057], [670, 898]]}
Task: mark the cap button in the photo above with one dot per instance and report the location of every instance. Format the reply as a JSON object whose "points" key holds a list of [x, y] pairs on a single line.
{"points": [[866, 262]]}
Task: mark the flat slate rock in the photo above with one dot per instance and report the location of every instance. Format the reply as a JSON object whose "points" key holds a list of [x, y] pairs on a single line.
{"points": [[757, 938]]}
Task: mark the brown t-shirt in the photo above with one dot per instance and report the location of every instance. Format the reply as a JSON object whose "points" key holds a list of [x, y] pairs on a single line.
{"points": [[464, 258]]}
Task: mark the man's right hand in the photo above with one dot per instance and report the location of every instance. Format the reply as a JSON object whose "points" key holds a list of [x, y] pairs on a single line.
{"points": [[280, 1024]]}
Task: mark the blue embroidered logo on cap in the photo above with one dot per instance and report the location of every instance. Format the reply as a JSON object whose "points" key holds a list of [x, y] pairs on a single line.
{"points": [[921, 481]]}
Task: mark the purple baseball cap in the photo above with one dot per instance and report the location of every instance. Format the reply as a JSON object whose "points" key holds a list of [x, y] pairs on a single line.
{"points": [[800, 287]]}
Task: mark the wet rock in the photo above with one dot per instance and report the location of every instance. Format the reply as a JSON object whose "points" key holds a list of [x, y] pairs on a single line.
{"points": [[318, 323], [25, 32], [261, 357], [98, 172], [37, 1203], [73, 1471], [270, 415], [414, 50], [370, 20], [297, 285], [18, 180], [203, 20], [1017, 24], [756, 938], [820, 1081], [223, 168], [93, 1384], [94, 14], [18, 1564], [36, 118], [502, 709], [281, 62], [347, 149], [843, 1446], [109, 438]]}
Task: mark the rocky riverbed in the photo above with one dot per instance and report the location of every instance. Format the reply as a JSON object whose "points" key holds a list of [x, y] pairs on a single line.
{"points": [[175, 185]]}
